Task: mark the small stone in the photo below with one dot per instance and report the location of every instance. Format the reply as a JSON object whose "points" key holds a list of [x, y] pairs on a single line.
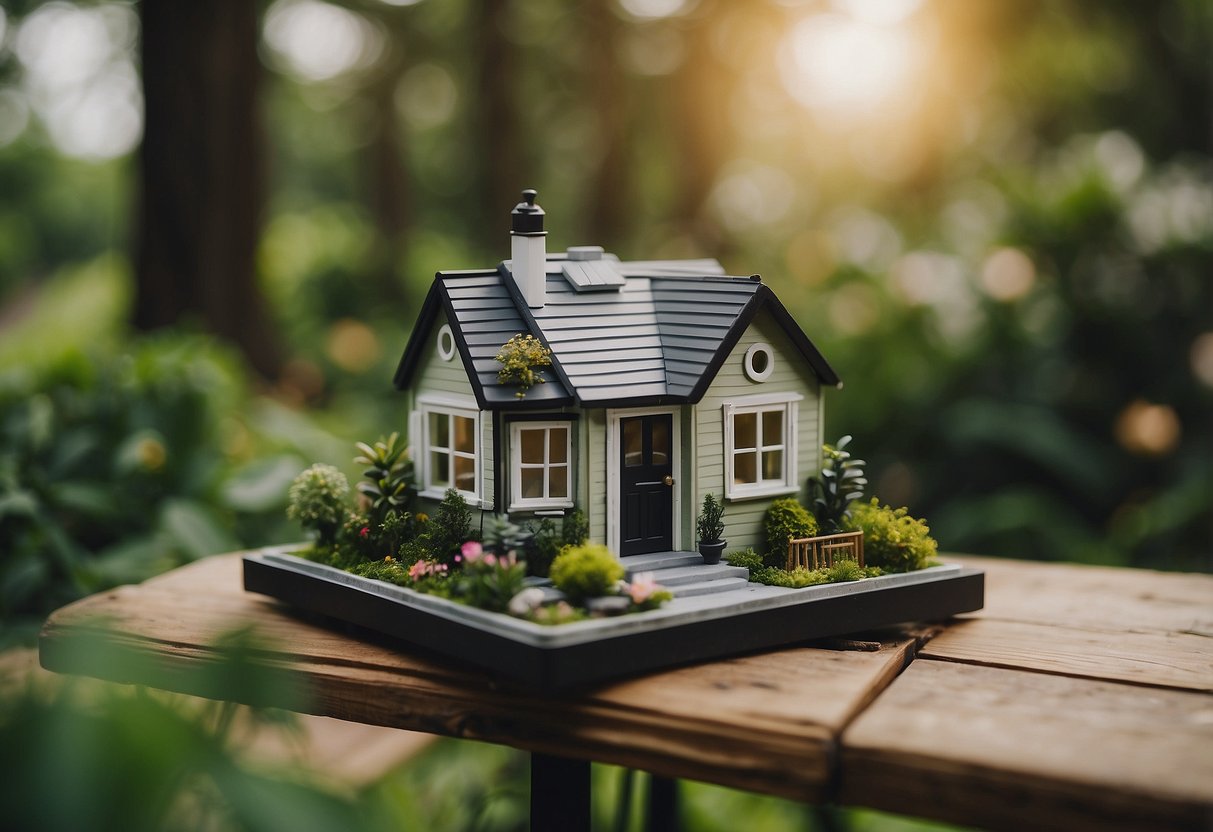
{"points": [[526, 601], [608, 605], [552, 595]]}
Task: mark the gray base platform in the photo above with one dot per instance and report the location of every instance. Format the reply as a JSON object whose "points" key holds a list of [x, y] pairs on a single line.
{"points": [[690, 628]]}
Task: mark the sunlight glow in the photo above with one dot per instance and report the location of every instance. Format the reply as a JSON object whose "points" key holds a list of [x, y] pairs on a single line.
{"points": [[80, 77], [319, 41], [841, 65], [655, 9]]}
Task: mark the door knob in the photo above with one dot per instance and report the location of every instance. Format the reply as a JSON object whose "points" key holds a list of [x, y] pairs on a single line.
{"points": [[668, 480]]}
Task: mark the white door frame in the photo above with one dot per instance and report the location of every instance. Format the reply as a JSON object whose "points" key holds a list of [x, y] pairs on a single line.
{"points": [[613, 416]]}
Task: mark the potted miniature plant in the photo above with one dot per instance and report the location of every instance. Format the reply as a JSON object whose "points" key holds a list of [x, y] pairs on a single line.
{"points": [[710, 525]]}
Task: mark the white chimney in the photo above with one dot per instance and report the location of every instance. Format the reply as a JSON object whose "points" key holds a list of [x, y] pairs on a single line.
{"points": [[529, 250]]}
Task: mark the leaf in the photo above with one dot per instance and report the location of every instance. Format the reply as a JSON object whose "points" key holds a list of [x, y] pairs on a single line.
{"points": [[261, 485], [194, 529]]}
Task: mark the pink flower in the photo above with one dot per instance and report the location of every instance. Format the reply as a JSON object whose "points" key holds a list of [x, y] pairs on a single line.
{"points": [[417, 570], [490, 560], [642, 587], [472, 551], [364, 531]]}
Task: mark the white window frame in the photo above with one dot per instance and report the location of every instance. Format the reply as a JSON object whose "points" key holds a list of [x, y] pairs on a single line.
{"points": [[517, 501], [788, 404], [452, 406]]}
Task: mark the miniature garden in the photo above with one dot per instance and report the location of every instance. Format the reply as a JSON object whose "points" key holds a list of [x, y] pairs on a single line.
{"points": [[552, 574], [544, 573]]}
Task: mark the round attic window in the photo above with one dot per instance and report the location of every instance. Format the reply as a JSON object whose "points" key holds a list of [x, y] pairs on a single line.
{"points": [[759, 362], [446, 342]]}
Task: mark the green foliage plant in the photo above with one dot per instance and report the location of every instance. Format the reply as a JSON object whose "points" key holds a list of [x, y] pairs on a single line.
{"points": [[547, 540], [586, 571], [521, 358], [785, 520], [710, 523], [746, 558], [317, 501], [450, 527], [892, 539], [487, 580], [574, 528], [842, 482], [501, 536], [387, 484]]}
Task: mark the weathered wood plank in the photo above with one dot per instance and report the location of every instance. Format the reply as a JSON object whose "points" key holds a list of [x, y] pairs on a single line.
{"points": [[1073, 595], [1008, 749], [1176, 660], [764, 722]]}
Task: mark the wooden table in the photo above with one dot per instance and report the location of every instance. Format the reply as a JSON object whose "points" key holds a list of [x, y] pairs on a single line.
{"points": [[1080, 697]]}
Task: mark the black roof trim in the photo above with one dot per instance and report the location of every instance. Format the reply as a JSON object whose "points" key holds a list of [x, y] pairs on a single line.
{"points": [[764, 298], [524, 310], [438, 299], [416, 345]]}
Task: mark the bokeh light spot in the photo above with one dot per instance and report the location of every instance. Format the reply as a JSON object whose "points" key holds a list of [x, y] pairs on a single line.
{"points": [[319, 41], [352, 345], [1148, 429], [1008, 274], [1202, 358]]}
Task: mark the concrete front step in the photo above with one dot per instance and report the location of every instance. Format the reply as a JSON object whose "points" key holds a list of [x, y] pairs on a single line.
{"points": [[658, 560], [679, 575], [686, 575], [708, 587]]}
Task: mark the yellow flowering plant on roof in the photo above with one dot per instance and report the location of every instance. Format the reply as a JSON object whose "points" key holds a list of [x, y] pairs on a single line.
{"points": [[521, 357]]}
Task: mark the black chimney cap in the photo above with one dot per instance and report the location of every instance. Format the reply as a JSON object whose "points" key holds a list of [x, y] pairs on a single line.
{"points": [[527, 217]]}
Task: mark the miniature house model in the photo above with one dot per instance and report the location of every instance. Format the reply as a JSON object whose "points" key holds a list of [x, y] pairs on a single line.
{"points": [[669, 380]]}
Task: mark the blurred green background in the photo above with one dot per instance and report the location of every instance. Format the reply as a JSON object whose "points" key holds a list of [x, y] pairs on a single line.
{"points": [[217, 222]]}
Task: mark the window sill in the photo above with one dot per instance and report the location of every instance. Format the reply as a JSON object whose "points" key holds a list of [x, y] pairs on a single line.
{"points": [[780, 490], [472, 500], [546, 505]]}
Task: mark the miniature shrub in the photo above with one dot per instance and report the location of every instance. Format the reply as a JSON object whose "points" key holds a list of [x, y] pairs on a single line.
{"points": [[546, 541], [520, 357], [844, 570], [710, 524], [892, 539], [586, 571], [450, 527], [842, 482], [575, 528], [317, 500], [785, 519], [542, 548], [747, 558]]}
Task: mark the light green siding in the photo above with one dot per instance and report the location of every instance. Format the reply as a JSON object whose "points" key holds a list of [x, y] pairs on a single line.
{"points": [[743, 517], [448, 378], [595, 506]]}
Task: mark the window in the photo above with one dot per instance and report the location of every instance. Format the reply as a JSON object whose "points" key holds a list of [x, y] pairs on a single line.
{"points": [[446, 342], [452, 450], [760, 447], [759, 362], [541, 471]]}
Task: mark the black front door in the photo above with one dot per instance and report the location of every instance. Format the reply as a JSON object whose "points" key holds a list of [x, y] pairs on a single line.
{"points": [[646, 498]]}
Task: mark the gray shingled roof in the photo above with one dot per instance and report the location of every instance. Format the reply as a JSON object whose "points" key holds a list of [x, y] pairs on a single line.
{"points": [[658, 338]]}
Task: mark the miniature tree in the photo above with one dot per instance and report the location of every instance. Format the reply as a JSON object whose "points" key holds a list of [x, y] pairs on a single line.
{"points": [[317, 501]]}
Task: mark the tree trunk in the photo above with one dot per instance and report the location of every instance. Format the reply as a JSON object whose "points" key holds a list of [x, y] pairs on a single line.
{"points": [[201, 189]]}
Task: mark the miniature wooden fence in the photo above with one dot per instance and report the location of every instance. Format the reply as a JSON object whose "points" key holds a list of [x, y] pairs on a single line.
{"points": [[824, 551]]}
